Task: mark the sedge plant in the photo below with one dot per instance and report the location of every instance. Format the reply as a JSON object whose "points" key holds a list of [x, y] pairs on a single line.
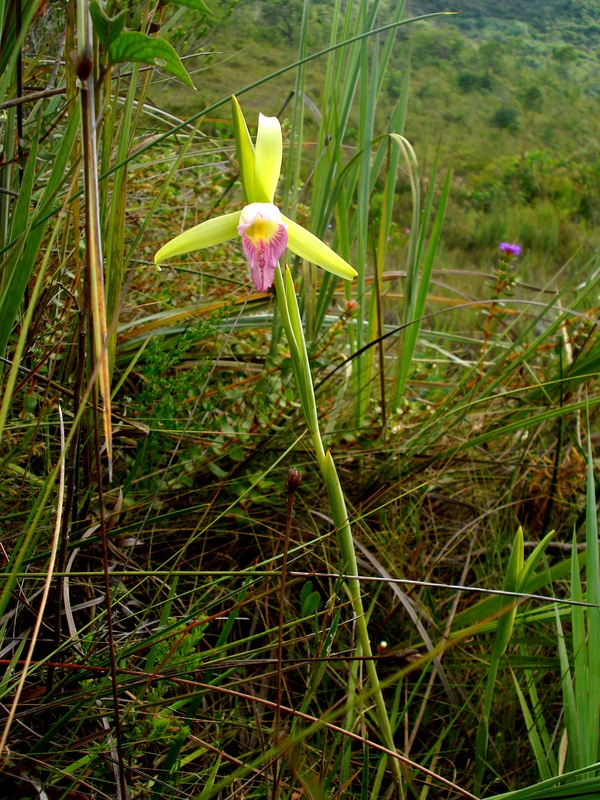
{"points": [[518, 575], [266, 234], [580, 675]]}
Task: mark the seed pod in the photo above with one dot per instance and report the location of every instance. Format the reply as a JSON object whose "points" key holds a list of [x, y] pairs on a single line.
{"points": [[84, 63], [294, 479]]}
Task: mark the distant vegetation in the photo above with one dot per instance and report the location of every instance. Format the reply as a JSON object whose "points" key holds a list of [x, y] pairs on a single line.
{"points": [[573, 21], [504, 91]]}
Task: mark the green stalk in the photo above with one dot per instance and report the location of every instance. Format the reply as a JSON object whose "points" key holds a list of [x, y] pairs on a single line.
{"points": [[96, 299], [290, 317], [116, 222], [6, 176], [367, 113], [593, 613]]}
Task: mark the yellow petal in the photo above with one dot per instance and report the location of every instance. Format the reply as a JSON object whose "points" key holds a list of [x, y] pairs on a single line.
{"points": [[267, 158], [308, 246], [207, 234], [245, 150]]}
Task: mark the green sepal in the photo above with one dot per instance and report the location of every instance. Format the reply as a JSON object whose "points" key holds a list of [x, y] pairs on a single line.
{"points": [[310, 247], [207, 234], [245, 150], [267, 158]]}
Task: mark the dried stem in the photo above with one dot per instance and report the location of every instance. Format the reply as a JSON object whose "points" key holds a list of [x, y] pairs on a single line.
{"points": [[122, 786], [294, 479]]}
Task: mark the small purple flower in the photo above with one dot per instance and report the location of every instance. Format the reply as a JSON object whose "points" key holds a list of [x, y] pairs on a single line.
{"points": [[509, 250]]}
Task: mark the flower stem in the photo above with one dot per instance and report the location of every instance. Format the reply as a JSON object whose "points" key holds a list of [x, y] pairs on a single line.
{"points": [[290, 318]]}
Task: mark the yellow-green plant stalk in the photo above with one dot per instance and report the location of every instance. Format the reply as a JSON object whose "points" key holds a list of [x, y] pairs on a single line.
{"points": [[94, 262], [266, 233]]}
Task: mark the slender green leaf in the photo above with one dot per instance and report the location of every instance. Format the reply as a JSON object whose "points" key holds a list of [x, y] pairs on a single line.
{"points": [[21, 216], [588, 788], [569, 702], [506, 621], [532, 561], [593, 614], [212, 774], [490, 605], [21, 268], [532, 732], [580, 656], [13, 36]]}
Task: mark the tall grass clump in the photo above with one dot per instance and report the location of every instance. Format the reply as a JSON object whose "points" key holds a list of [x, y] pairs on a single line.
{"points": [[316, 534]]}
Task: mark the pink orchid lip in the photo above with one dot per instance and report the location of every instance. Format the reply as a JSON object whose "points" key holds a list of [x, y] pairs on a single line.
{"points": [[264, 238]]}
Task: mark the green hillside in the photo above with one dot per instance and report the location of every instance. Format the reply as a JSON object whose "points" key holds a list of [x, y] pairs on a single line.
{"points": [[512, 108], [573, 21]]}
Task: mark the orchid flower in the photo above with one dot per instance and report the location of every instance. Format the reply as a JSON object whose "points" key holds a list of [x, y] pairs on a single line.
{"points": [[265, 232]]}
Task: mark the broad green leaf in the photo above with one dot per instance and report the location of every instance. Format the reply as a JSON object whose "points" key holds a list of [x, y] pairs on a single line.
{"points": [[206, 791], [135, 46], [423, 268], [292, 305], [196, 5], [310, 604], [306, 592], [290, 314], [107, 29]]}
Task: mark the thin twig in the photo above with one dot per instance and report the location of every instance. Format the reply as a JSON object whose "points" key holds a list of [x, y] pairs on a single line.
{"points": [[70, 505], [47, 585], [122, 786], [32, 97]]}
